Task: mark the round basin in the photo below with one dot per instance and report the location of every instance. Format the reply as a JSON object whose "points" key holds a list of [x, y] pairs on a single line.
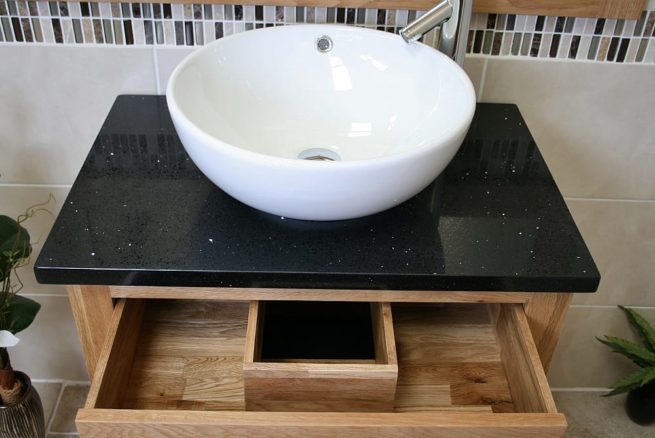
{"points": [[320, 122]]}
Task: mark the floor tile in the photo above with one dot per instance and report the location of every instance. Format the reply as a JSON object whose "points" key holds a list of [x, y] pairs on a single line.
{"points": [[49, 392], [592, 416], [72, 399]]}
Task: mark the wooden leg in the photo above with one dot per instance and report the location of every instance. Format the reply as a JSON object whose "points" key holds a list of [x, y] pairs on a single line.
{"points": [[92, 308], [546, 313]]}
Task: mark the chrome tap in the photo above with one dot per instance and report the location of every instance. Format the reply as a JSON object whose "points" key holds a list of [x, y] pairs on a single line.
{"points": [[454, 16]]}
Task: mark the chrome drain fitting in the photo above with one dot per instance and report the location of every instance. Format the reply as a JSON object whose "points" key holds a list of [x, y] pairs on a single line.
{"points": [[319, 154], [324, 44]]}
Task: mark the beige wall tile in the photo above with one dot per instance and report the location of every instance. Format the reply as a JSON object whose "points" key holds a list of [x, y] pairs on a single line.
{"points": [[621, 238], [167, 59], [53, 101], [474, 67], [50, 348], [14, 200], [593, 122], [580, 360]]}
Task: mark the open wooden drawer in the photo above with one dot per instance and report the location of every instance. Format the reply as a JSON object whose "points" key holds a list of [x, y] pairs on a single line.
{"points": [[175, 368]]}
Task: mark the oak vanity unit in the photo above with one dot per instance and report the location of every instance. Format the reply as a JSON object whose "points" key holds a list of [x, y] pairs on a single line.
{"points": [[200, 316]]}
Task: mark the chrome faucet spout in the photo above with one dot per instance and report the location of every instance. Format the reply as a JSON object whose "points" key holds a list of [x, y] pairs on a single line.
{"points": [[428, 21], [454, 17]]}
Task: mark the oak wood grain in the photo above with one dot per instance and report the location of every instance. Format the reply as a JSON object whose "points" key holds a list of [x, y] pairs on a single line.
{"points": [[189, 356], [321, 386], [383, 334], [117, 355], [92, 309], [525, 375], [175, 424], [546, 314], [281, 294], [450, 345], [187, 378]]}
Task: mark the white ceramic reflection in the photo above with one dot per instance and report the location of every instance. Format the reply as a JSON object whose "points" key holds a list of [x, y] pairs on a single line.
{"points": [[388, 115]]}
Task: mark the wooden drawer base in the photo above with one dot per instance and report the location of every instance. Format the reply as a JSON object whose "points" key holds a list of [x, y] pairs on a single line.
{"points": [[174, 368]]}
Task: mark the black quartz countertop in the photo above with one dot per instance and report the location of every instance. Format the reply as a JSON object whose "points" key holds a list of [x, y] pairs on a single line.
{"points": [[141, 213]]}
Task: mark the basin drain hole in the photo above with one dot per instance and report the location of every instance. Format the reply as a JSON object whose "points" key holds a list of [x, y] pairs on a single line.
{"points": [[319, 154], [324, 44]]}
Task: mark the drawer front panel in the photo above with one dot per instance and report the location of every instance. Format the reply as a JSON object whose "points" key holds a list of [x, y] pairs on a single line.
{"points": [[174, 424]]}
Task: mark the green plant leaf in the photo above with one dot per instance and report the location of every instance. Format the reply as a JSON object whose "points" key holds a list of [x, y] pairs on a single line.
{"points": [[14, 244], [632, 381], [638, 354], [649, 377], [20, 313], [643, 327]]}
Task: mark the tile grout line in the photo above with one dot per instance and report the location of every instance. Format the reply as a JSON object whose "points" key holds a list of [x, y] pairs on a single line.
{"points": [[607, 306], [74, 382], [65, 384], [645, 201], [18, 185], [580, 389], [55, 408], [155, 61], [51, 381], [44, 295], [64, 434], [483, 79]]}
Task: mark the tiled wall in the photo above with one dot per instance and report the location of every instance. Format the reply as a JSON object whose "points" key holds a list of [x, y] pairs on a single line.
{"points": [[603, 40], [592, 39], [593, 122]]}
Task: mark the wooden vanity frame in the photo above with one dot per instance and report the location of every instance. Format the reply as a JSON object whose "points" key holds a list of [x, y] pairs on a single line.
{"points": [[541, 315]]}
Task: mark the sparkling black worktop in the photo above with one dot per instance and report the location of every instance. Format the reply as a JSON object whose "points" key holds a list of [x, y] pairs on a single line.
{"points": [[141, 213]]}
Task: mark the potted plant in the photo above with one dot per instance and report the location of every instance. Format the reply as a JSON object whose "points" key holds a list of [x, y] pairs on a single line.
{"points": [[21, 411], [640, 385]]}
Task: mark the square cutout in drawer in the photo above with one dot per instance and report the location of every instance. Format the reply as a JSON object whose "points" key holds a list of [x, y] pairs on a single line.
{"points": [[320, 356], [296, 331]]}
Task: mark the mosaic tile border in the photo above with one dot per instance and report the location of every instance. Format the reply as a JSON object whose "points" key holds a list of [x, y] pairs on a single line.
{"points": [[591, 39], [161, 24]]}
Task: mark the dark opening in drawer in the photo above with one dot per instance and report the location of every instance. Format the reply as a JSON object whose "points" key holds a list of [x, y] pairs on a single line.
{"points": [[329, 356], [301, 330]]}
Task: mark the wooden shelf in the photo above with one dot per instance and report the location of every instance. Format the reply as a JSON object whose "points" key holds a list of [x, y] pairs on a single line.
{"points": [[177, 365]]}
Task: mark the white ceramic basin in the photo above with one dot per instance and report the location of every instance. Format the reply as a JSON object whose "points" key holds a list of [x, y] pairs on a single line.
{"points": [[248, 108]]}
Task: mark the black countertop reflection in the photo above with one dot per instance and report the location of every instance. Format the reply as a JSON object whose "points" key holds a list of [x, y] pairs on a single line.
{"points": [[141, 213]]}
